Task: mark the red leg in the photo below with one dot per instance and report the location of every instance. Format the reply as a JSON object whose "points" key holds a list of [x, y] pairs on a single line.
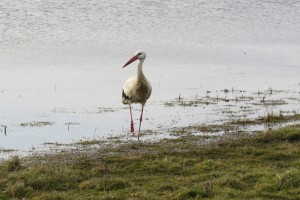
{"points": [[131, 125], [141, 118]]}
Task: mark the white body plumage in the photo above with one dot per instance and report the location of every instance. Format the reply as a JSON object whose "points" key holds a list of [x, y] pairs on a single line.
{"points": [[136, 90]]}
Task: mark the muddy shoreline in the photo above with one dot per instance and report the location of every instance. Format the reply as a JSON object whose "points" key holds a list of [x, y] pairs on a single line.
{"points": [[227, 112]]}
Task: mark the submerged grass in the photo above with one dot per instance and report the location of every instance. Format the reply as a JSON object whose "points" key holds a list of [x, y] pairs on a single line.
{"points": [[36, 124], [265, 166]]}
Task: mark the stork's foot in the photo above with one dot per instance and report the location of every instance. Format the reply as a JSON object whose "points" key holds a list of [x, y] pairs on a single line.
{"points": [[132, 127], [139, 135]]}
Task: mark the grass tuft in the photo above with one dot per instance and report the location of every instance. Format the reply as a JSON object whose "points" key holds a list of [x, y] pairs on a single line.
{"points": [[13, 164], [103, 184], [289, 180], [17, 189], [291, 134]]}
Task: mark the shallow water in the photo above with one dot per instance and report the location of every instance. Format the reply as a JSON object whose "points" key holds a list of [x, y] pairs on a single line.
{"points": [[61, 62]]}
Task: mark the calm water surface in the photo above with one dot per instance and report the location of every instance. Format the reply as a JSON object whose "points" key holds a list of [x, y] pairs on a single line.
{"points": [[60, 62]]}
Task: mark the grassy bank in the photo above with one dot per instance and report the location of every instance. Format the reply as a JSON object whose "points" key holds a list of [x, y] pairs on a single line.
{"points": [[264, 166]]}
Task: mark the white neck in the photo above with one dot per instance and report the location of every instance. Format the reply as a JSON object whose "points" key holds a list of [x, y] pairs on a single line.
{"points": [[140, 73]]}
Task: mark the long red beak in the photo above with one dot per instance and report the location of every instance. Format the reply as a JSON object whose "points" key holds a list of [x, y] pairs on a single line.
{"points": [[134, 58]]}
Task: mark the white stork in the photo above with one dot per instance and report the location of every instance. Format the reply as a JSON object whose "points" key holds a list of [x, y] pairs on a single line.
{"points": [[136, 89]]}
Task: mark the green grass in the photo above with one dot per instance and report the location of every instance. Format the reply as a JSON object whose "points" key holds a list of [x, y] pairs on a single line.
{"points": [[264, 166], [269, 118]]}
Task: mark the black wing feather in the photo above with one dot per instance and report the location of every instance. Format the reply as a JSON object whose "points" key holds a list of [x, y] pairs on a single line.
{"points": [[124, 96]]}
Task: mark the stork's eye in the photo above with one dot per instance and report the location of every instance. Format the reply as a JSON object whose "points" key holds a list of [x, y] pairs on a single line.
{"points": [[139, 54]]}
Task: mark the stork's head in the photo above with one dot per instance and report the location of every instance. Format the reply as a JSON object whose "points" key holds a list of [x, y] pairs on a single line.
{"points": [[141, 55]]}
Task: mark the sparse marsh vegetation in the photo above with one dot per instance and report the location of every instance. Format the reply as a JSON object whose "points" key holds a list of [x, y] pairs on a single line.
{"points": [[206, 107], [37, 124], [238, 125]]}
